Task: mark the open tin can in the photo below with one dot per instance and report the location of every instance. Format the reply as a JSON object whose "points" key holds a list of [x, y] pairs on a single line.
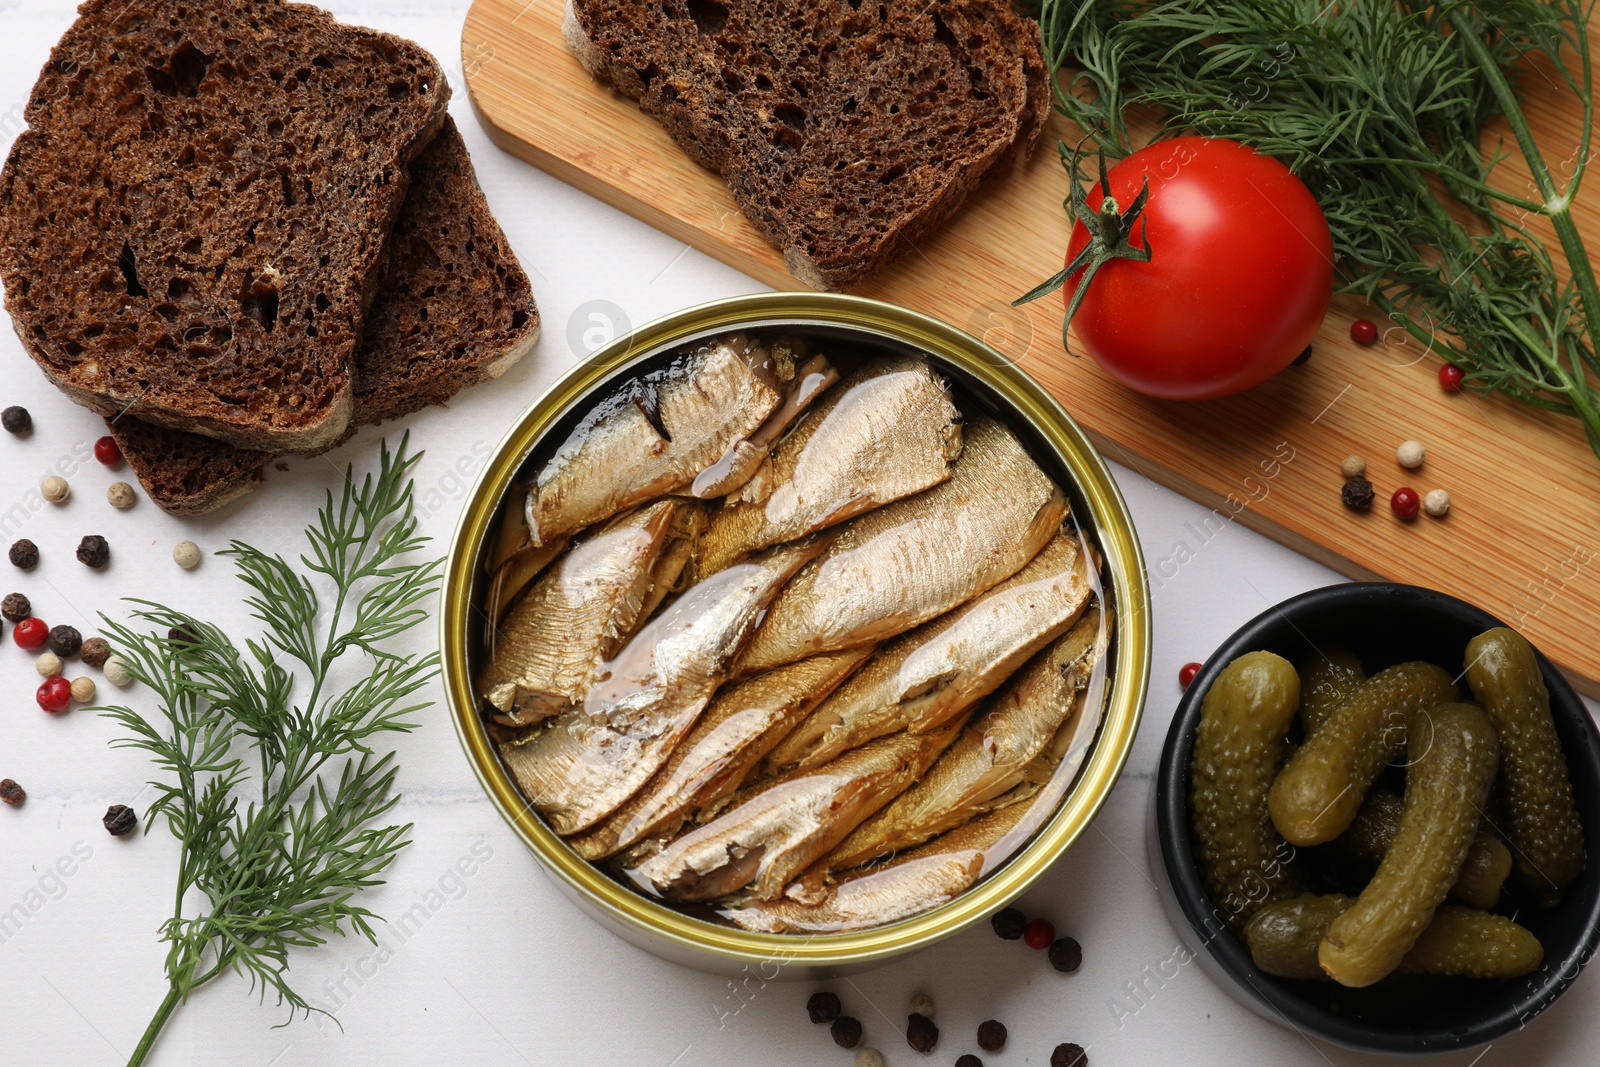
{"points": [[983, 377]]}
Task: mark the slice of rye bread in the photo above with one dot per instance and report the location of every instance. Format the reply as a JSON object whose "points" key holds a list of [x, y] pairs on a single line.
{"points": [[195, 217], [847, 132], [453, 308]]}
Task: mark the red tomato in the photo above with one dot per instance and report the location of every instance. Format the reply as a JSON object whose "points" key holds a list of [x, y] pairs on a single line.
{"points": [[1239, 277]]}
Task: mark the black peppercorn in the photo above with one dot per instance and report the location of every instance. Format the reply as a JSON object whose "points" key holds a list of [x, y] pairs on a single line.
{"points": [[94, 552], [1357, 494], [1303, 358], [823, 1007], [95, 652], [921, 1034], [1065, 954], [120, 820], [1009, 924], [12, 793], [1069, 1055], [969, 1060], [846, 1031], [992, 1035], [25, 554], [65, 641], [182, 636], [16, 607], [16, 420]]}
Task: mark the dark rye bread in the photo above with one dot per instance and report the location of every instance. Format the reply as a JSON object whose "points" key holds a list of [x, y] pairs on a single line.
{"points": [[453, 308], [194, 220], [847, 131]]}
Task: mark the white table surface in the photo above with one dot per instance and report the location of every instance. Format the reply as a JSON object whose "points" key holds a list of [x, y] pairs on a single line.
{"points": [[504, 970]]}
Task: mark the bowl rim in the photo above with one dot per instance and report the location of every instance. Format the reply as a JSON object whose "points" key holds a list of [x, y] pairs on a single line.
{"points": [[1227, 954], [1123, 565]]}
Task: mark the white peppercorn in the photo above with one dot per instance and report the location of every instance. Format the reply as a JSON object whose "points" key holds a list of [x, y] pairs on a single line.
{"points": [[869, 1057], [1410, 455], [1436, 503], [1353, 467], [121, 496], [83, 690], [55, 489], [116, 672], [49, 664], [186, 554], [922, 1004]]}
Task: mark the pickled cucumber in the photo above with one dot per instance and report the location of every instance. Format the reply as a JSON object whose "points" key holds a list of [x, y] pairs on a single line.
{"points": [[1240, 740], [1327, 680], [1545, 831], [1482, 874], [1462, 942], [1317, 796], [1452, 754]]}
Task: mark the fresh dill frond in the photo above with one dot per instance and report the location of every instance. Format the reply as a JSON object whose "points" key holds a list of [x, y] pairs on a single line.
{"points": [[275, 798]]}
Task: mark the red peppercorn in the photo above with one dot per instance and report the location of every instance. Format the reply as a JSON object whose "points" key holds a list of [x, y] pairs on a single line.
{"points": [[1363, 332], [1039, 934], [31, 633], [1451, 377], [55, 694], [1405, 503], [107, 452], [1186, 673]]}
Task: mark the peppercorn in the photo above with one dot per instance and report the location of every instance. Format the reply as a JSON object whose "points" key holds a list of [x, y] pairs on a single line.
{"points": [[117, 672], [1451, 378], [823, 1007], [1009, 924], [991, 1035], [31, 634], [16, 420], [1357, 494], [121, 496], [1410, 455], [12, 793], [921, 1034], [1436, 503], [94, 552], [1039, 934], [1186, 674], [83, 690], [107, 452], [65, 641], [1066, 954], [95, 652], [55, 489], [969, 1060], [846, 1031], [25, 554], [120, 820], [186, 554], [869, 1057], [55, 694], [1353, 467], [922, 1004], [16, 607], [182, 637], [1364, 332], [1303, 358], [48, 664], [1405, 503], [1069, 1055]]}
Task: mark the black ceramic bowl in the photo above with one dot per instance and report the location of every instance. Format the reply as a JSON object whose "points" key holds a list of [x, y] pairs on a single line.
{"points": [[1384, 624]]}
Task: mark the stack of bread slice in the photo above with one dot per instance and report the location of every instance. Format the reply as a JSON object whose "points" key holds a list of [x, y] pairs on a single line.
{"points": [[239, 228]]}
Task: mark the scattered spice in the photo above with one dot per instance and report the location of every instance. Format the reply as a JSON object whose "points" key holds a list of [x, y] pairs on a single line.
{"points": [[1451, 378], [107, 452], [12, 793], [1364, 332], [869, 1057], [991, 1035], [1009, 924], [1303, 358], [95, 652], [49, 664], [1353, 467], [969, 1060], [65, 641], [846, 1031], [1405, 503], [182, 637], [55, 489], [25, 554], [1039, 934], [31, 634], [16, 607], [16, 420], [83, 690], [1436, 503], [823, 1007], [922, 1004], [55, 694], [117, 673], [1410, 454], [921, 1034], [1069, 1055], [120, 820], [1186, 673], [94, 552], [121, 496], [1066, 955], [186, 554], [1357, 494]]}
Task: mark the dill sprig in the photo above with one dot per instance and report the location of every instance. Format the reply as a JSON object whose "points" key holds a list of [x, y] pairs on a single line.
{"points": [[274, 864], [1380, 107]]}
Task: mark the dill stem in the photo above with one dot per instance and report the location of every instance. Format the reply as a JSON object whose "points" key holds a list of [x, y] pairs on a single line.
{"points": [[157, 1023]]}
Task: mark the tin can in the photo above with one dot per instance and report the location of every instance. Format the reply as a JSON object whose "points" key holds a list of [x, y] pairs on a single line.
{"points": [[980, 373]]}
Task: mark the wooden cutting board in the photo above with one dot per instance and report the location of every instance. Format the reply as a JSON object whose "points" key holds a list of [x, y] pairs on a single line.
{"points": [[1522, 539]]}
